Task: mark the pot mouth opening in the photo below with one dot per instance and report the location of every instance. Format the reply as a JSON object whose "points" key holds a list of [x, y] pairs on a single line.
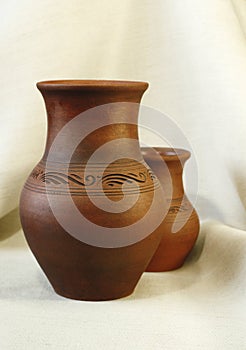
{"points": [[167, 153], [94, 84]]}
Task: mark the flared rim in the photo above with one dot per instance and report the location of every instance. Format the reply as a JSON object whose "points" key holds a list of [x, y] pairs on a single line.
{"points": [[73, 84], [167, 153]]}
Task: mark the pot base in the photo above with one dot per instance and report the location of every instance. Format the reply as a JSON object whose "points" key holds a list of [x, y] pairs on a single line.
{"points": [[90, 298], [169, 267]]}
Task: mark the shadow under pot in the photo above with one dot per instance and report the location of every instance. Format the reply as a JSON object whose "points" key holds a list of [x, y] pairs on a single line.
{"points": [[79, 223], [181, 223]]}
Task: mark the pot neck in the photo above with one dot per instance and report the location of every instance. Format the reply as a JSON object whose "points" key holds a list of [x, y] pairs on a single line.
{"points": [[175, 169], [103, 115], [171, 167]]}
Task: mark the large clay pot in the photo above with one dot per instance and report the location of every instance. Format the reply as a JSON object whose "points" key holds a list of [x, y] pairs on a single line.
{"points": [[181, 224], [86, 251]]}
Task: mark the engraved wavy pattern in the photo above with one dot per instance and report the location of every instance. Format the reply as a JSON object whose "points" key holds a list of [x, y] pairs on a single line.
{"points": [[56, 178], [112, 180], [120, 179], [175, 209]]}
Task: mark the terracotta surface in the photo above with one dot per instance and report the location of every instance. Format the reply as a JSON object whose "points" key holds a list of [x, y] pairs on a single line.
{"points": [[174, 247], [77, 269]]}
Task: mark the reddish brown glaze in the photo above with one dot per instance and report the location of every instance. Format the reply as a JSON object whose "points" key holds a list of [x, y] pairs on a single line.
{"points": [[77, 269], [174, 247]]}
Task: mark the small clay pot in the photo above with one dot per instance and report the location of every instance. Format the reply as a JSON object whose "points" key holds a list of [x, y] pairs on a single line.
{"points": [[181, 222]]}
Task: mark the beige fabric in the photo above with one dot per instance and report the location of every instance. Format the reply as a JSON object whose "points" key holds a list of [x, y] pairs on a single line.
{"points": [[200, 306], [193, 53]]}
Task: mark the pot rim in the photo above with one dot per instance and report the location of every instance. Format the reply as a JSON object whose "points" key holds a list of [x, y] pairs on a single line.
{"points": [[93, 84], [167, 153]]}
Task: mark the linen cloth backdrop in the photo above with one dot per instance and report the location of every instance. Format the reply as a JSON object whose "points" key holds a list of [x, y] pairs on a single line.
{"points": [[193, 54]]}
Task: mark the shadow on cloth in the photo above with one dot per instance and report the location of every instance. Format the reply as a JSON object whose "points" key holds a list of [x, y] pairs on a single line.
{"points": [[10, 224]]}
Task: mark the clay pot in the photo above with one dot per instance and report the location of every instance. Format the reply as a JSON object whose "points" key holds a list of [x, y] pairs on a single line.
{"points": [[90, 222], [181, 222]]}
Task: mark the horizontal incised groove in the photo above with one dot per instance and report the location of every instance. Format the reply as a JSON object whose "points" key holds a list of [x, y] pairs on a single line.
{"points": [[54, 165], [42, 190], [70, 188]]}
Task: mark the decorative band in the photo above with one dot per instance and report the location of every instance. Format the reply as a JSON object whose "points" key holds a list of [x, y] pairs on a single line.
{"points": [[57, 182]]}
